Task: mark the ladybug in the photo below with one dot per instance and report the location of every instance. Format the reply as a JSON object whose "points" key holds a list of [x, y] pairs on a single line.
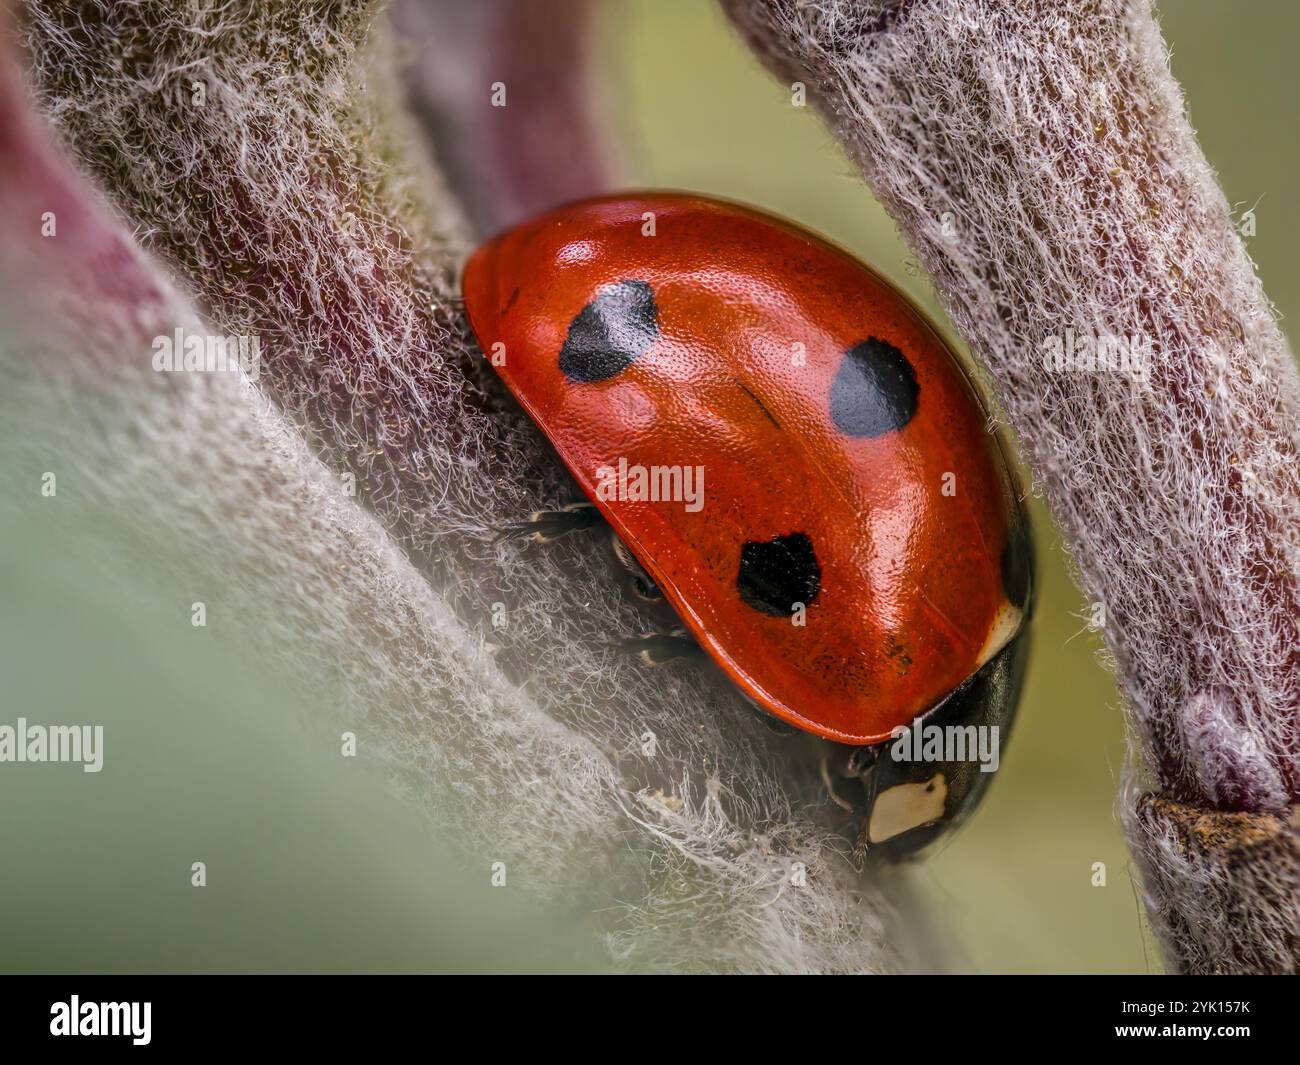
{"points": [[791, 458]]}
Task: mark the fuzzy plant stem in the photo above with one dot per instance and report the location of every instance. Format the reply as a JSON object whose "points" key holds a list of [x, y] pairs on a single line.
{"points": [[510, 94], [1037, 157], [352, 492]]}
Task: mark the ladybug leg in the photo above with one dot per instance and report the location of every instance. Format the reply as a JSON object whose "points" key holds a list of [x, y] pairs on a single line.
{"points": [[846, 775], [829, 783], [635, 579], [546, 525], [653, 649], [657, 648]]}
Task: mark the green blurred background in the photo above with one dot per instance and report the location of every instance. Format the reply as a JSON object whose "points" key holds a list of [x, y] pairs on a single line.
{"points": [[313, 866]]}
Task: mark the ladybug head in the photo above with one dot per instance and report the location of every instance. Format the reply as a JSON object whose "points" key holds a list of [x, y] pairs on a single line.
{"points": [[918, 786]]}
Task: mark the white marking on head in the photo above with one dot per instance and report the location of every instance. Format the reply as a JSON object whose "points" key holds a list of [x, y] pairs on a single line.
{"points": [[907, 806], [1005, 625]]}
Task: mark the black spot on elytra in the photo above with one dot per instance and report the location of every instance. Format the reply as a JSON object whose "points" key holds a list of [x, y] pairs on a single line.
{"points": [[1017, 567], [611, 332], [777, 574], [874, 391]]}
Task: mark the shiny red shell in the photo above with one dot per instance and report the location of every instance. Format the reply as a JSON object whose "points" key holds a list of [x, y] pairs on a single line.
{"points": [[846, 457]]}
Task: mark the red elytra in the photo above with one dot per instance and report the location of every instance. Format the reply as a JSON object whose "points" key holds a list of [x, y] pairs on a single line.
{"points": [[858, 552]]}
